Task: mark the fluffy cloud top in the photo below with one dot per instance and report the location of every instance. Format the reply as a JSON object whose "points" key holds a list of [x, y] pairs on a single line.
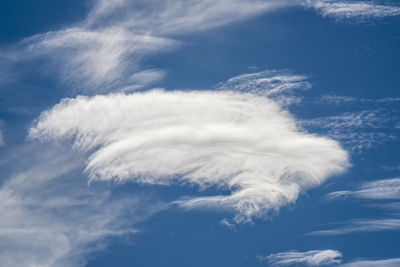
{"points": [[239, 142], [310, 258]]}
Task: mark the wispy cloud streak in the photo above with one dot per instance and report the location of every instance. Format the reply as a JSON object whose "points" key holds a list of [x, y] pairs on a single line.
{"points": [[381, 189], [309, 258], [53, 218], [384, 190], [374, 263], [357, 130], [97, 59], [278, 85], [359, 10], [362, 225], [335, 99], [104, 52]]}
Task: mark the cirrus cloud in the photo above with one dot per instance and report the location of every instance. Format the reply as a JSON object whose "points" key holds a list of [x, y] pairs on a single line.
{"points": [[52, 218], [374, 263], [388, 189], [242, 143], [361, 10], [104, 52], [309, 258]]}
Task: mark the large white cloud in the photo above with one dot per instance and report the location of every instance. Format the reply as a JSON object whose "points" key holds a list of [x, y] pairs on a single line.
{"points": [[239, 142]]}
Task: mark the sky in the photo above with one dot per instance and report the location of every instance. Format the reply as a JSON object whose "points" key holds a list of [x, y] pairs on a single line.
{"points": [[199, 133]]}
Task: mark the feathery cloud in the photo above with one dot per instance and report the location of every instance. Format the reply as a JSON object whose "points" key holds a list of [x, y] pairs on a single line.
{"points": [[374, 263], [360, 10], [362, 225], [241, 142], [357, 130], [278, 85], [267, 83], [104, 52], [309, 258], [388, 189], [97, 59], [380, 189], [322, 258], [53, 218]]}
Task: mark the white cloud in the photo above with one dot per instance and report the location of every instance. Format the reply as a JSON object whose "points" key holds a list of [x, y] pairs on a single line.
{"points": [[357, 130], [374, 263], [360, 10], [309, 258], [278, 85], [388, 189], [103, 60], [381, 189], [362, 119], [104, 52], [371, 122], [363, 225], [322, 258], [241, 142], [53, 218], [174, 17]]}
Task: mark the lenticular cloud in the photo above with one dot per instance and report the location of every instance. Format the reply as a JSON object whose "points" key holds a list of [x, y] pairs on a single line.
{"points": [[238, 142]]}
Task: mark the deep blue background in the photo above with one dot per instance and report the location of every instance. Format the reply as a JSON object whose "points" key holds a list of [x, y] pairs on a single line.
{"points": [[350, 59]]}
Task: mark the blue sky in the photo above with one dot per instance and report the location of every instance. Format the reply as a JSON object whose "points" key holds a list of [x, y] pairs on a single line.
{"points": [[199, 133]]}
